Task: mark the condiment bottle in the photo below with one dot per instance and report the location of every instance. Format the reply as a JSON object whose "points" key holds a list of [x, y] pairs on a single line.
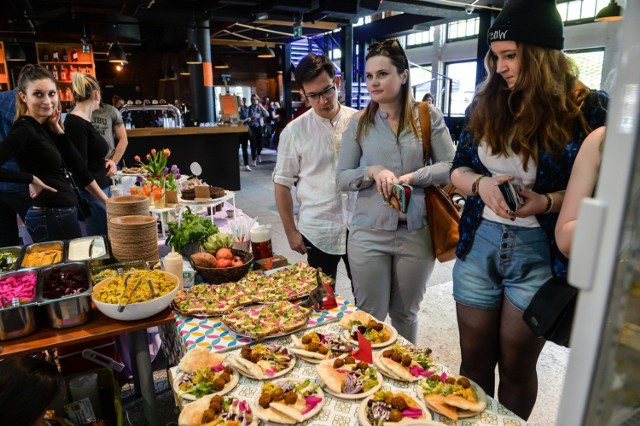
{"points": [[173, 264]]}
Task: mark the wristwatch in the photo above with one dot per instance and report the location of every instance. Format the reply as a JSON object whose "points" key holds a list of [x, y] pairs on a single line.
{"points": [[475, 186]]}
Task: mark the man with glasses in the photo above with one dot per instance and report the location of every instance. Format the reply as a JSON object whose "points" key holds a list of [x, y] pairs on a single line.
{"points": [[307, 157]]}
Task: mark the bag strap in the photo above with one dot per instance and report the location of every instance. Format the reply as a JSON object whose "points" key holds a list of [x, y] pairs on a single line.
{"points": [[425, 126]]}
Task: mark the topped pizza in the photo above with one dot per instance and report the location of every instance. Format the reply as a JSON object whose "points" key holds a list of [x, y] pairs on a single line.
{"points": [[210, 300], [267, 320], [453, 397], [293, 282]]}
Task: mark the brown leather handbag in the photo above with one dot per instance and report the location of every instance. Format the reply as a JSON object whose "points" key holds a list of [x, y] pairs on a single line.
{"points": [[442, 202]]}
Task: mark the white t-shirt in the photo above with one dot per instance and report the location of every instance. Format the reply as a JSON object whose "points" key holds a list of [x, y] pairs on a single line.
{"points": [[509, 166], [307, 158]]}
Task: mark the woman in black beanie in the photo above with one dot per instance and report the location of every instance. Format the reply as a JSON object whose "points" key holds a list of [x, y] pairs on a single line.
{"points": [[526, 124]]}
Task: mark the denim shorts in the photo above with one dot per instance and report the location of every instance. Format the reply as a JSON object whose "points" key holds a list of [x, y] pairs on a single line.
{"points": [[504, 260]]}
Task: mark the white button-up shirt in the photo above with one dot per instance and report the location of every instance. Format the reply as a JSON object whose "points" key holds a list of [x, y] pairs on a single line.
{"points": [[307, 158]]}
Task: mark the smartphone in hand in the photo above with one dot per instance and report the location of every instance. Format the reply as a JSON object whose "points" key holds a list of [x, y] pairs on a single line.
{"points": [[511, 197], [400, 196]]}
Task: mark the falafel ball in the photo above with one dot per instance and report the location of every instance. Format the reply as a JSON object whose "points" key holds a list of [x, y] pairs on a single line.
{"points": [[215, 407], [362, 366], [395, 416], [277, 394], [339, 362], [399, 403], [349, 360], [217, 399], [265, 400], [218, 384], [225, 376], [313, 346], [387, 353], [372, 324], [306, 339], [450, 380], [246, 352], [406, 361], [208, 416], [396, 357], [388, 398], [379, 326], [290, 397], [255, 357], [323, 350], [228, 370]]}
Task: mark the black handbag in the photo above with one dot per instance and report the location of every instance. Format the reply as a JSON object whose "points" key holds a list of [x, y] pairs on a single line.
{"points": [[550, 313]]}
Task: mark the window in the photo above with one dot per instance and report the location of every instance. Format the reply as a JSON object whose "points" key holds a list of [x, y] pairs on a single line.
{"points": [[363, 21], [420, 38], [463, 29], [463, 83], [575, 10], [589, 63], [421, 78], [336, 54]]}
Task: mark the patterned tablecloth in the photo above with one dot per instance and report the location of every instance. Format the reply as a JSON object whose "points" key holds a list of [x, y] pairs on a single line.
{"points": [[189, 332], [340, 412]]}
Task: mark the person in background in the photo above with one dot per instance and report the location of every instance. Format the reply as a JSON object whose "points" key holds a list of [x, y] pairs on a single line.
{"points": [[92, 147], [528, 119], [243, 112], [118, 102], [14, 197], [390, 253], [28, 386], [428, 98], [257, 116], [107, 120], [40, 146], [306, 159], [582, 184]]}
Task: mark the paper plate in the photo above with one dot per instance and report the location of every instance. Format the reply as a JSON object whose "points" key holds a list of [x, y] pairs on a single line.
{"points": [[235, 378], [245, 372], [463, 414], [426, 420], [392, 331], [268, 414], [352, 395]]}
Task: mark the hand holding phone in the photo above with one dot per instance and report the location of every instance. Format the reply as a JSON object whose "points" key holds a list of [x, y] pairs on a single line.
{"points": [[511, 197], [400, 196]]}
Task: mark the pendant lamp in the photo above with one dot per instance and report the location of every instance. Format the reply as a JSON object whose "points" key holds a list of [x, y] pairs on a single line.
{"points": [[14, 52], [266, 52], [609, 13], [116, 54]]}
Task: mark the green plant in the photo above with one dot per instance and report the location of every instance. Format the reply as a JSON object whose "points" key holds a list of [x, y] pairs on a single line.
{"points": [[191, 229]]}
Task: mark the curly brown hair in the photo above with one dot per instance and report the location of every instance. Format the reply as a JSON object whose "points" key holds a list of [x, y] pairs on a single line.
{"points": [[537, 111]]}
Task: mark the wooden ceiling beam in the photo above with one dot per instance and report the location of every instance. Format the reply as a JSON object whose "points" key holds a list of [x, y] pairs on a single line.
{"points": [[240, 43], [330, 26]]}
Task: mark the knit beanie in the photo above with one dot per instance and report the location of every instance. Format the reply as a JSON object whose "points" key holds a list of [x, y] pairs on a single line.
{"points": [[534, 22]]}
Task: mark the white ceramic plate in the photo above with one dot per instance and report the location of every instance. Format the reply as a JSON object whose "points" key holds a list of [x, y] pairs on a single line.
{"points": [[195, 409], [235, 378], [266, 414], [463, 414], [392, 331], [239, 367], [205, 201], [352, 395], [426, 420]]}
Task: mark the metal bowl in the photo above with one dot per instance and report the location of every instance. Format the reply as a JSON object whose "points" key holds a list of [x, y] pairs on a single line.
{"points": [[39, 247], [13, 260], [17, 322], [66, 311], [94, 249]]}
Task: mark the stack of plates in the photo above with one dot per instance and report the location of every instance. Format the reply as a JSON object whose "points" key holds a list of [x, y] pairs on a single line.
{"points": [[126, 205], [134, 238]]}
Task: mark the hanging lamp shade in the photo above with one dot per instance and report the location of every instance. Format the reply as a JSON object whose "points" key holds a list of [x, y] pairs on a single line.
{"points": [[116, 53], [221, 64], [609, 13], [266, 52], [193, 55], [171, 73], [14, 52], [184, 69]]}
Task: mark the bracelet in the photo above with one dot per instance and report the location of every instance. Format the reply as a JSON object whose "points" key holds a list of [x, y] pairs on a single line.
{"points": [[549, 203]]}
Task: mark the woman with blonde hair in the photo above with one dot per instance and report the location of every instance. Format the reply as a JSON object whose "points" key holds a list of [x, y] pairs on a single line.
{"points": [[390, 252], [40, 146], [92, 146], [526, 124]]}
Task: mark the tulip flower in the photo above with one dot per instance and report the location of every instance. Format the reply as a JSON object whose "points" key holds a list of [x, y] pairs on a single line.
{"points": [[148, 157], [137, 158], [153, 151], [166, 152]]}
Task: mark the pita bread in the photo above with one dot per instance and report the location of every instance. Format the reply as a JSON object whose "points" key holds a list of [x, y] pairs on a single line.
{"points": [[200, 357], [360, 316], [272, 415], [464, 403], [330, 376], [438, 404], [396, 369], [249, 367], [309, 354], [289, 410], [191, 415]]}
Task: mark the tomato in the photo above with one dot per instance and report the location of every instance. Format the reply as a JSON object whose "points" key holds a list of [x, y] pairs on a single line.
{"points": [[224, 253], [223, 263], [237, 261]]}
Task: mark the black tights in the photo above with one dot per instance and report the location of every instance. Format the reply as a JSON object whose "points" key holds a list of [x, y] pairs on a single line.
{"points": [[490, 337]]}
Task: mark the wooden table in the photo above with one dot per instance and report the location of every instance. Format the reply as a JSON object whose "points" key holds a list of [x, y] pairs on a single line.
{"points": [[102, 326]]}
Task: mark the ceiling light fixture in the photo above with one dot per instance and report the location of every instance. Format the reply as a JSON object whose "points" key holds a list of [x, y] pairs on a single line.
{"points": [[14, 52], [116, 52], [610, 13], [171, 73], [184, 70], [193, 54], [221, 64], [266, 52]]}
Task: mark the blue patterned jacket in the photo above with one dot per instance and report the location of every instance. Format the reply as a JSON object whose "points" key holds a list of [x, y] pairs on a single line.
{"points": [[552, 175]]}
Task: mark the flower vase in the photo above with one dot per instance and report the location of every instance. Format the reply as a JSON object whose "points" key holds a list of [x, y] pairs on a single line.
{"points": [[159, 199], [171, 196]]}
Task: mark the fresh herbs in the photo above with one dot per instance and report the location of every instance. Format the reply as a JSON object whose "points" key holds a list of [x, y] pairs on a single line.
{"points": [[192, 228]]}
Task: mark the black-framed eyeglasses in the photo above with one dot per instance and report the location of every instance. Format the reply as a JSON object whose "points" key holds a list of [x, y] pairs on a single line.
{"points": [[326, 93]]}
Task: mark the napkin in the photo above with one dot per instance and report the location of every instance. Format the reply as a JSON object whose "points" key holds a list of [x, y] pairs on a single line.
{"points": [[363, 353], [329, 301]]}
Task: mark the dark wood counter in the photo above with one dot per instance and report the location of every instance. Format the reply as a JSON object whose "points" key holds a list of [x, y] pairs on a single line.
{"points": [[215, 148]]}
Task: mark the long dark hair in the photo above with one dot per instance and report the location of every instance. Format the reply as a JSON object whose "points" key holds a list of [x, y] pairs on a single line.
{"points": [[28, 385], [28, 74], [537, 111], [393, 50]]}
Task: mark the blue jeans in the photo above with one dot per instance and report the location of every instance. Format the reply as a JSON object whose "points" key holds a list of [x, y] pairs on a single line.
{"points": [[97, 223], [504, 261], [51, 224]]}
